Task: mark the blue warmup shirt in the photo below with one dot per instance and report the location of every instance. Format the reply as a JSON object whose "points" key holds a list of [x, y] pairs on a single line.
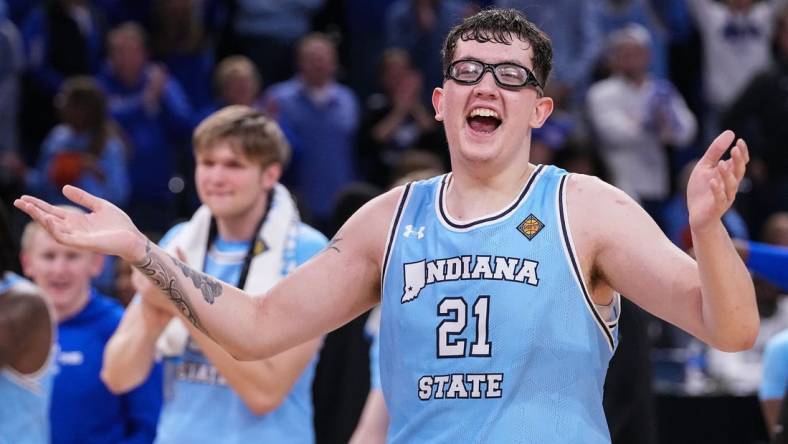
{"points": [[487, 331], [83, 410]]}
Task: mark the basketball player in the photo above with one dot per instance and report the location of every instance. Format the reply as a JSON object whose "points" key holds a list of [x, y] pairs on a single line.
{"points": [[247, 233], [498, 281]]}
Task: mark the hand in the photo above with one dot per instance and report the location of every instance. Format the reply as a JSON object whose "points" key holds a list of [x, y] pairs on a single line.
{"points": [[157, 79], [105, 229], [713, 183]]}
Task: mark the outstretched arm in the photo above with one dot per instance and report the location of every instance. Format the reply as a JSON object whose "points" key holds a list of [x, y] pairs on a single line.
{"points": [[346, 276], [713, 298]]}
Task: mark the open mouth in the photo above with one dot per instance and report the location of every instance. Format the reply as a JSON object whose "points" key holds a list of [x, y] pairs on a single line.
{"points": [[483, 120]]}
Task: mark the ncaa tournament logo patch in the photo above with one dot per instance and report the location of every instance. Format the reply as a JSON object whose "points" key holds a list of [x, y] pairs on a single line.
{"points": [[530, 227]]}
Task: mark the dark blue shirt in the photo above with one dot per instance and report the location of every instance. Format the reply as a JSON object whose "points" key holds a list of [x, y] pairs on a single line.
{"points": [[83, 411]]}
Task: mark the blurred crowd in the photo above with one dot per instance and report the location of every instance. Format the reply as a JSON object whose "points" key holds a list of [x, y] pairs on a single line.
{"points": [[105, 94]]}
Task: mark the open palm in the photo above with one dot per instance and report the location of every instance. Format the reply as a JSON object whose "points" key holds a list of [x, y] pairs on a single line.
{"points": [[714, 182], [106, 229]]}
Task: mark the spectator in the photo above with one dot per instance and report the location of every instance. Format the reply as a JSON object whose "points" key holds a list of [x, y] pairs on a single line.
{"points": [[363, 43], [267, 32], [236, 81], [419, 27], [63, 38], [182, 42], [84, 150], [323, 116], [617, 14], [395, 119], [774, 382], [758, 113], [152, 109], [636, 117], [83, 410], [736, 35]]}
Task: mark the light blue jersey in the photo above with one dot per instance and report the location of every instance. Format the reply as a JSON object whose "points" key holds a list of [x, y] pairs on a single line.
{"points": [[487, 332], [199, 404], [24, 399]]}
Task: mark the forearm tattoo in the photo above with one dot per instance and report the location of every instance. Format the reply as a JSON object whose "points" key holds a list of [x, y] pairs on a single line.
{"points": [[163, 276]]}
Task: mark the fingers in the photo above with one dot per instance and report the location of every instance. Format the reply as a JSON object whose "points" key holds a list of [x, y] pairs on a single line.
{"points": [[34, 206], [728, 178], [82, 198], [718, 189], [740, 156], [717, 148]]}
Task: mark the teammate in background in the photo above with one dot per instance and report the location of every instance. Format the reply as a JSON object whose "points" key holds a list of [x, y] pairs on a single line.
{"points": [[498, 281], [26, 335], [83, 409], [247, 233]]}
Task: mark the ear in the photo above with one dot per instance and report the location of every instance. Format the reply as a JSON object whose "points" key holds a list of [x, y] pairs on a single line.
{"points": [[271, 175], [27, 266], [542, 110], [437, 103], [96, 264]]}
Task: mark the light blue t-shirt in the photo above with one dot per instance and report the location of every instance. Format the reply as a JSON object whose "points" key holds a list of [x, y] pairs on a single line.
{"points": [[775, 368], [199, 405], [488, 332], [24, 399]]}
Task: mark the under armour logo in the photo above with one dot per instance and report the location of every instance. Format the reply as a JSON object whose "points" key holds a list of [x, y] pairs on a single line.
{"points": [[409, 231]]}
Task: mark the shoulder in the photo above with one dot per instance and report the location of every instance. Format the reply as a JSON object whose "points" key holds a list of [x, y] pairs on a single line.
{"points": [[282, 90], [592, 191], [369, 226], [603, 88], [596, 209], [346, 93], [59, 135]]}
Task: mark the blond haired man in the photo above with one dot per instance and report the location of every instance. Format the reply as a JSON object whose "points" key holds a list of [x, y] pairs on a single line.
{"points": [[248, 234]]}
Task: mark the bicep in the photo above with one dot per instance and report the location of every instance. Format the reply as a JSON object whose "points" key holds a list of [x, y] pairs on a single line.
{"points": [[635, 258], [336, 285], [321, 295]]}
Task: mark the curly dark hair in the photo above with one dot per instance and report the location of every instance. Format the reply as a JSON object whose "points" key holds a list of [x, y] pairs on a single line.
{"points": [[502, 26]]}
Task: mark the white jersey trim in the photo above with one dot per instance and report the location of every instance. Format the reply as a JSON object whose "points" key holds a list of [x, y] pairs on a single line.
{"points": [[392, 237], [456, 225], [571, 256]]}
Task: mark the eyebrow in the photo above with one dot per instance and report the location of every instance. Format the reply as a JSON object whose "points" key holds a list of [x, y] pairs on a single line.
{"points": [[513, 62]]}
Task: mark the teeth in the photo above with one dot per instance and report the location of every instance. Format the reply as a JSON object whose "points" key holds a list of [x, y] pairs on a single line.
{"points": [[484, 112]]}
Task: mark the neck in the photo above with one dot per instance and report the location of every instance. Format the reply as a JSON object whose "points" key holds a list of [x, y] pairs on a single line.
{"points": [[242, 227], [471, 196], [68, 312]]}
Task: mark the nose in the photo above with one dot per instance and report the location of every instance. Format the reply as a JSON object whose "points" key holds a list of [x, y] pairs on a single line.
{"points": [[486, 86]]}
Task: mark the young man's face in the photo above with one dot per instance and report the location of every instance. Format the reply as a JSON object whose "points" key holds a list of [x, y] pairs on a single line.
{"points": [[497, 140], [228, 182], [62, 273]]}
